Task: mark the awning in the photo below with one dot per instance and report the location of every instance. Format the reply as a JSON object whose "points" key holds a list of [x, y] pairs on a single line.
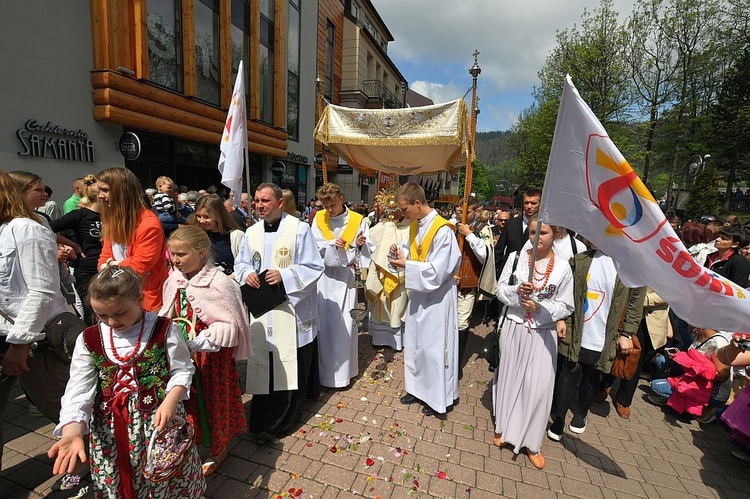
{"points": [[406, 141]]}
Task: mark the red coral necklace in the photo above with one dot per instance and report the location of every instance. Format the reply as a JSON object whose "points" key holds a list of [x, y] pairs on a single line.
{"points": [[543, 277], [126, 359]]}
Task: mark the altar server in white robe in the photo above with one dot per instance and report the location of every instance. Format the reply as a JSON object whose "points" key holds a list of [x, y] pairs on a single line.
{"points": [[342, 236], [430, 258], [283, 369]]}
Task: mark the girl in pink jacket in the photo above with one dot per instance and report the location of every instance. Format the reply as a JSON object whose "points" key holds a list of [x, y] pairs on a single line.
{"points": [[208, 305]]}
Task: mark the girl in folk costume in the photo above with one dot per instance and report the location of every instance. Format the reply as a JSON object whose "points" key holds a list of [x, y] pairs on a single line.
{"points": [[128, 375], [207, 304], [524, 381]]}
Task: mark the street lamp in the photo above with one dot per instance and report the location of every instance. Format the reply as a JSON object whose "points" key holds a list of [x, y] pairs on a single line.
{"points": [[695, 164], [502, 186]]}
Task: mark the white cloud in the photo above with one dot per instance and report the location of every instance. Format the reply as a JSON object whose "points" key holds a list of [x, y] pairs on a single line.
{"points": [[438, 92], [513, 37]]}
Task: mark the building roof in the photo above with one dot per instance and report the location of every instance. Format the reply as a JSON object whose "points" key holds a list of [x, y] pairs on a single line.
{"points": [[415, 99]]}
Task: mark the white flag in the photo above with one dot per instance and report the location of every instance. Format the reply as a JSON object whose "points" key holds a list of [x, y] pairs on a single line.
{"points": [[591, 189], [234, 140]]}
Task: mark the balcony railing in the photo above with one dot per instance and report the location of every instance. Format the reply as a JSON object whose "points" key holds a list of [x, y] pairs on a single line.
{"points": [[374, 89]]}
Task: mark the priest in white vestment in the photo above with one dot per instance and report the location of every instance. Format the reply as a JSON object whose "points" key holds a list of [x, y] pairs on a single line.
{"points": [[430, 258], [283, 368], [342, 236]]}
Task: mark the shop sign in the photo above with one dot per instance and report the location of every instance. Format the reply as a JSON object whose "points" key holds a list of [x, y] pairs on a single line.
{"points": [[344, 168], [278, 168], [130, 146], [385, 180], [297, 158], [52, 141]]}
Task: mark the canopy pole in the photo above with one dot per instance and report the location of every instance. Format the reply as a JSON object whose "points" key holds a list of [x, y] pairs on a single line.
{"points": [[319, 113]]}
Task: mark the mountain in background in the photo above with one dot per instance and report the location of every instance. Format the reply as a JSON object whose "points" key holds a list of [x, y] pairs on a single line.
{"points": [[492, 148]]}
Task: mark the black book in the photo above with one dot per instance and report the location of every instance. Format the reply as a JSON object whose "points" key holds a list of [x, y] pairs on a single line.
{"points": [[260, 301]]}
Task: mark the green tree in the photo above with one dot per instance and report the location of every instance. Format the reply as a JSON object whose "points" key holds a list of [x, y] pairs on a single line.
{"points": [[479, 182], [704, 195]]}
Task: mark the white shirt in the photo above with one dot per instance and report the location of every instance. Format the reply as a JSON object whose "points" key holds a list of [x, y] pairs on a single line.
{"points": [[29, 280], [600, 285]]}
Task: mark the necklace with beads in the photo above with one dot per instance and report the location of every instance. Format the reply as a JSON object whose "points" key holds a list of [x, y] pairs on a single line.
{"points": [[542, 277], [127, 358]]}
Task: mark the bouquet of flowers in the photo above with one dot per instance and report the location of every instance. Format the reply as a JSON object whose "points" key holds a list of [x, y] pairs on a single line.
{"points": [[167, 450]]}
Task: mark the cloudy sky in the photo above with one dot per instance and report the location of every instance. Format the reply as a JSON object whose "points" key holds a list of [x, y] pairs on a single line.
{"points": [[434, 41]]}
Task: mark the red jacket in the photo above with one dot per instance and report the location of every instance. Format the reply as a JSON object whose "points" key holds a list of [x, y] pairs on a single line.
{"points": [[147, 255], [692, 390]]}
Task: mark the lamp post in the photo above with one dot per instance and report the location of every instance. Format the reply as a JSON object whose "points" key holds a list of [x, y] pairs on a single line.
{"points": [[694, 165]]}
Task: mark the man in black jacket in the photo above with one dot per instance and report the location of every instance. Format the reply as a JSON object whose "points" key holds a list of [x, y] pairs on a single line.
{"points": [[516, 231]]}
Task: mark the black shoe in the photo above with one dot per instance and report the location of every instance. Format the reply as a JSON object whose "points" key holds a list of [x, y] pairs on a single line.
{"points": [[578, 424], [429, 411], [408, 399], [460, 373], [555, 431]]}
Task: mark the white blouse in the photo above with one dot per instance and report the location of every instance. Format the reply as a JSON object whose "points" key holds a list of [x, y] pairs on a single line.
{"points": [[78, 401], [555, 300]]}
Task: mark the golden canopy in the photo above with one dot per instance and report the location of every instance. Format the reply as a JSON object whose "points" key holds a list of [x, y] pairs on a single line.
{"points": [[406, 141]]}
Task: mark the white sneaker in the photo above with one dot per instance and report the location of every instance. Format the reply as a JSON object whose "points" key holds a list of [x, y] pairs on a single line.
{"points": [[578, 425]]}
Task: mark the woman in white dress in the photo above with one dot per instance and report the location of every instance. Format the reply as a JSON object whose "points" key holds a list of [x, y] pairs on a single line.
{"points": [[524, 381]]}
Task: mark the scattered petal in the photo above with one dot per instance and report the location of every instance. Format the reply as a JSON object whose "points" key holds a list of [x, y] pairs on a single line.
{"points": [[333, 449], [369, 462], [340, 405], [364, 418], [380, 458], [339, 420], [318, 415], [363, 399], [309, 444], [442, 475], [298, 493], [468, 490], [416, 483]]}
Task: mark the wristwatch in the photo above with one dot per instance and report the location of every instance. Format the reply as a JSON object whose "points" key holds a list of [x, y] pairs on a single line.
{"points": [[627, 335]]}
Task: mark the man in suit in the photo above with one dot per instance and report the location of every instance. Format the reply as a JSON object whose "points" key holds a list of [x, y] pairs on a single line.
{"points": [[516, 231]]}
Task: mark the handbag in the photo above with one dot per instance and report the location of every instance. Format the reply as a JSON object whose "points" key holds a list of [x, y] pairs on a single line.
{"points": [[60, 335], [491, 346], [625, 364]]}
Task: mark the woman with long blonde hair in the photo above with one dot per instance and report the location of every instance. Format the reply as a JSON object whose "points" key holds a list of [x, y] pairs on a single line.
{"points": [[225, 236], [31, 298], [132, 235]]}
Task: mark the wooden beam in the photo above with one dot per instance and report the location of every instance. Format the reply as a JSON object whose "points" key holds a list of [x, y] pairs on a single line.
{"points": [[225, 34], [161, 126], [189, 72], [149, 91], [280, 63], [100, 34], [117, 99], [140, 39], [254, 90]]}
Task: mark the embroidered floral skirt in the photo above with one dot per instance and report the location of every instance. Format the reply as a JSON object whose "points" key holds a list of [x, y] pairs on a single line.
{"points": [[188, 482], [220, 386]]}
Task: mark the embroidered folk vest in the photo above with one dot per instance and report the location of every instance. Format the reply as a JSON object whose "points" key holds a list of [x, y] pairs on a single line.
{"points": [[150, 367]]}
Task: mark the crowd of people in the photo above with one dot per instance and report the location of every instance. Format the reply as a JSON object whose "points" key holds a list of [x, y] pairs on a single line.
{"points": [[173, 287]]}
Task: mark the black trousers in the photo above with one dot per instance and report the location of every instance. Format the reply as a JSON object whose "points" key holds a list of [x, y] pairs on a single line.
{"points": [[581, 378]]}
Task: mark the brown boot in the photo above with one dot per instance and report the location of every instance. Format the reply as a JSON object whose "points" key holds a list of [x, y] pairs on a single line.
{"points": [[622, 411]]}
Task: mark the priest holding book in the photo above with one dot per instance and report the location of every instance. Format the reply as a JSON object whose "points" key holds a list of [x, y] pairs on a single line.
{"points": [[283, 368]]}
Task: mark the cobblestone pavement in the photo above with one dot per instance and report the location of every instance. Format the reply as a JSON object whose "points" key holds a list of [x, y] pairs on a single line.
{"points": [[361, 442]]}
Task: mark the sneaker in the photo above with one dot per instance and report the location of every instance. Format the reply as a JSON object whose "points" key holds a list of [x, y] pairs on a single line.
{"points": [[578, 424], [555, 431], [657, 399], [708, 416], [741, 456]]}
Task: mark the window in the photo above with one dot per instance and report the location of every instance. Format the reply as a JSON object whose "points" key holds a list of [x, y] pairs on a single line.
{"points": [[207, 46], [330, 39], [266, 60], [293, 58], [165, 43], [241, 42]]}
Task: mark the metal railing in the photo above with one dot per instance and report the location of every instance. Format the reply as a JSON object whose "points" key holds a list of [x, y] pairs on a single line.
{"points": [[374, 89]]}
